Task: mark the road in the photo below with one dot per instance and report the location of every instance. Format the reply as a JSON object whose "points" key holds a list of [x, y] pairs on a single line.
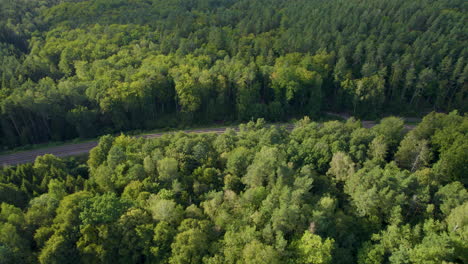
{"points": [[78, 148], [83, 148]]}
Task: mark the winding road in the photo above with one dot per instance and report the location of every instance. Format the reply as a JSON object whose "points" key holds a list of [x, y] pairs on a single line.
{"points": [[83, 148]]}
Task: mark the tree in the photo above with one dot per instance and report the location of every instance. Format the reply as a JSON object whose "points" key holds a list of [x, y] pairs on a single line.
{"points": [[192, 84], [136, 231], [149, 165], [378, 149], [257, 252], [312, 249], [425, 85], [115, 156], [99, 154], [413, 153], [168, 169], [453, 161], [359, 144], [60, 247], [457, 224], [165, 210], [164, 234], [82, 118], [391, 129], [10, 194], [434, 247], [191, 243], [238, 160], [293, 81], [375, 191], [12, 225], [263, 168], [57, 189], [102, 209], [367, 93], [41, 212], [450, 196], [341, 166]]}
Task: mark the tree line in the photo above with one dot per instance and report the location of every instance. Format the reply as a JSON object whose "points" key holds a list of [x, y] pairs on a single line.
{"points": [[85, 68], [322, 193]]}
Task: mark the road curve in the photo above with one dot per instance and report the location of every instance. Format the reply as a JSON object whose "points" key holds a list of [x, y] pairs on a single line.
{"points": [[83, 148]]}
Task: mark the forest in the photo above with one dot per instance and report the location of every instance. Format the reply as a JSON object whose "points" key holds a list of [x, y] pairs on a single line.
{"points": [[310, 193], [332, 192], [79, 69]]}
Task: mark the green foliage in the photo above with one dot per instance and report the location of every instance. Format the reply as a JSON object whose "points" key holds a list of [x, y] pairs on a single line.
{"points": [[167, 169], [311, 249], [341, 167], [165, 210], [10, 194], [102, 209], [451, 196], [264, 167], [86, 68], [191, 243], [391, 130], [257, 252], [238, 160]]}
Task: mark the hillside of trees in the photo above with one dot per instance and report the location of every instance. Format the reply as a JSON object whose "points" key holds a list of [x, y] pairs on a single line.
{"points": [[322, 193], [75, 68]]}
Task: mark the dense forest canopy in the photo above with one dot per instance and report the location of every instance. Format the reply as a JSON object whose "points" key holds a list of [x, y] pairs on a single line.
{"points": [[322, 193], [333, 192], [74, 68]]}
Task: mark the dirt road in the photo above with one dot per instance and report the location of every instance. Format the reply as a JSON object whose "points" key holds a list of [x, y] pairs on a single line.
{"points": [[83, 148], [78, 148]]}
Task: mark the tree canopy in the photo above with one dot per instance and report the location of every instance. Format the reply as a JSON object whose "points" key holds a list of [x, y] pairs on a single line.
{"points": [[321, 193], [82, 68]]}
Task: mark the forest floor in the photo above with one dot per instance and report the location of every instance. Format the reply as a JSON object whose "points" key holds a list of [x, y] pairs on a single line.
{"points": [[76, 149]]}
